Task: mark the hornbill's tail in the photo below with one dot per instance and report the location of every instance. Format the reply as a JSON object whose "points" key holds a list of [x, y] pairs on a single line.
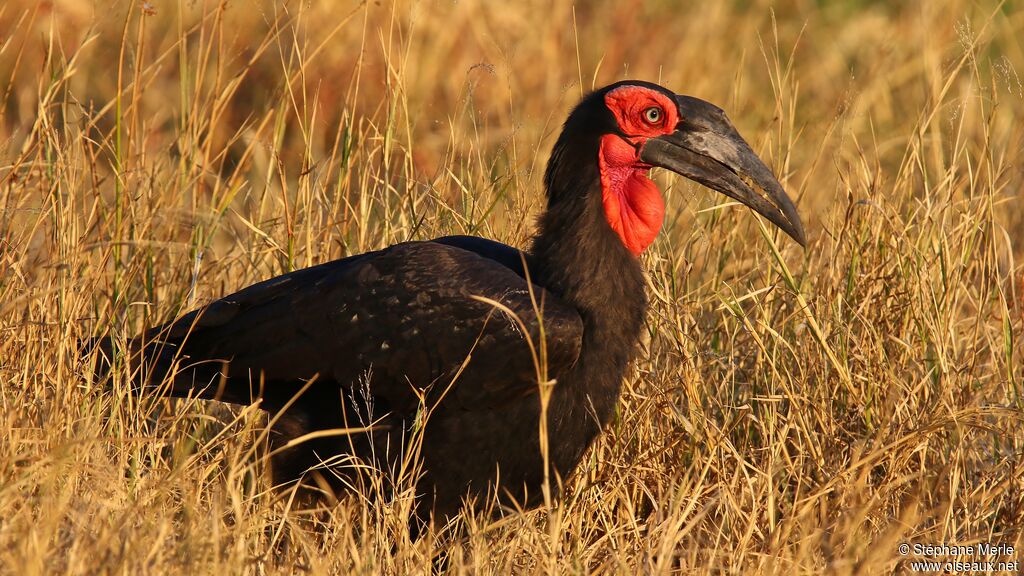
{"points": [[151, 366]]}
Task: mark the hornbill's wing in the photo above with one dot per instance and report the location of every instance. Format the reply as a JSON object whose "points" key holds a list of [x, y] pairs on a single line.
{"points": [[411, 318]]}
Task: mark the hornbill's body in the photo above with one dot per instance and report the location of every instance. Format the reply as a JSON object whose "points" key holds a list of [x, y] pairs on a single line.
{"points": [[451, 338]]}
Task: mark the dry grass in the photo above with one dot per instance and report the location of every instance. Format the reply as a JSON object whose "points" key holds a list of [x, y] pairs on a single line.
{"points": [[792, 411]]}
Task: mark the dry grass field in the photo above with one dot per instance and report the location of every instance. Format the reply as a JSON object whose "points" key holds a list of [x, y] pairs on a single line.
{"points": [[792, 411]]}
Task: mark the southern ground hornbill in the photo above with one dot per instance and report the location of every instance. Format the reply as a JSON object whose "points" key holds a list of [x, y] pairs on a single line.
{"points": [[443, 345]]}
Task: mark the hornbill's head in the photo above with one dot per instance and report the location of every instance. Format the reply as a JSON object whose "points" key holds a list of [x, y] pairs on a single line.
{"points": [[633, 126]]}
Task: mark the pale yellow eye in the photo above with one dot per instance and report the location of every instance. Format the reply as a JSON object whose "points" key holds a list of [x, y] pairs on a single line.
{"points": [[652, 115]]}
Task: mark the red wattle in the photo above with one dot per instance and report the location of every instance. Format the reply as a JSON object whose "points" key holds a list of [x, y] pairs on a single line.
{"points": [[632, 203]]}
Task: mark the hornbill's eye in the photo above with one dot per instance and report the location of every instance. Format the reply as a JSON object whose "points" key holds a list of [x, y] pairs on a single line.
{"points": [[652, 115]]}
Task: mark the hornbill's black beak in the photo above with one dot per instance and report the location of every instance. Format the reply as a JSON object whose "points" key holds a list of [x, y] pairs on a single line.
{"points": [[707, 148]]}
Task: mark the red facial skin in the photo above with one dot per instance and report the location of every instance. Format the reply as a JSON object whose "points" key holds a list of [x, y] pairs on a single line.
{"points": [[632, 203]]}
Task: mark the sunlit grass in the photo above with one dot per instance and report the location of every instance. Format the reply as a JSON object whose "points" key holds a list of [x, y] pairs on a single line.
{"points": [[791, 411]]}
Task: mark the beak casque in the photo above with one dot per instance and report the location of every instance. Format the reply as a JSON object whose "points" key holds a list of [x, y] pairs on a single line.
{"points": [[706, 148]]}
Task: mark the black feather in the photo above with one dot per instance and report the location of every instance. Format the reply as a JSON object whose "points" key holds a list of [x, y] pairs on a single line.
{"points": [[376, 339]]}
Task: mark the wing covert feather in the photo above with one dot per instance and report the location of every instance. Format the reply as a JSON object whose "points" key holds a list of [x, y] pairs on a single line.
{"points": [[404, 319]]}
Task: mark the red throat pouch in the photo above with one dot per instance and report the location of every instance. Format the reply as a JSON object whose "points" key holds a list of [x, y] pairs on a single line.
{"points": [[632, 203]]}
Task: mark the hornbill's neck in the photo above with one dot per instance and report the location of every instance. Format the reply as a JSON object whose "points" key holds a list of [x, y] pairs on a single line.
{"points": [[579, 257]]}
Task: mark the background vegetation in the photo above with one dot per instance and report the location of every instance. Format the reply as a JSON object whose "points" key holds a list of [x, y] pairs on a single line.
{"points": [[791, 412]]}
